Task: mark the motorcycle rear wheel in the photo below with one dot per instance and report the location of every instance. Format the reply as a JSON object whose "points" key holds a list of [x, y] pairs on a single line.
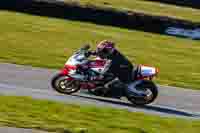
{"points": [[147, 86], [62, 85]]}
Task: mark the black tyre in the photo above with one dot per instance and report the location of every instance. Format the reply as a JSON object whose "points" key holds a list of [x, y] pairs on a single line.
{"points": [[61, 85], [150, 90]]}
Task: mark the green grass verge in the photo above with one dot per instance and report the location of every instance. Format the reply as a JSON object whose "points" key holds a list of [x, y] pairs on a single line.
{"points": [[42, 41], [148, 7], [52, 116]]}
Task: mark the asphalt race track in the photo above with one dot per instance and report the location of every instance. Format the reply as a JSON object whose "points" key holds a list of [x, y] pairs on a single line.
{"points": [[35, 82]]}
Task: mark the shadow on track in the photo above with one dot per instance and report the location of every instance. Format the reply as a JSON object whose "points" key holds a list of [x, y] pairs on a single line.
{"points": [[146, 107]]}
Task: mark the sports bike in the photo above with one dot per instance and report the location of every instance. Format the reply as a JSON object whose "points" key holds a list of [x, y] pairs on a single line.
{"points": [[79, 67]]}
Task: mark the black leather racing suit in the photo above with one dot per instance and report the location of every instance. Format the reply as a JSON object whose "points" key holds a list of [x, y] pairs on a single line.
{"points": [[119, 66], [122, 69]]}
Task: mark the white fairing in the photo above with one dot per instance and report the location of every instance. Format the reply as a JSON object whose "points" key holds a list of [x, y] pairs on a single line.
{"points": [[76, 59], [81, 59], [147, 71]]}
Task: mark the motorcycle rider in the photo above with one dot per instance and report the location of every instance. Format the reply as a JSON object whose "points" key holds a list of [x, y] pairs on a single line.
{"points": [[117, 63]]}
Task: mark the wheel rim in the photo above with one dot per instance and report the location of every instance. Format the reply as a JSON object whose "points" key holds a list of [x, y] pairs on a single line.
{"points": [[148, 95], [66, 86]]}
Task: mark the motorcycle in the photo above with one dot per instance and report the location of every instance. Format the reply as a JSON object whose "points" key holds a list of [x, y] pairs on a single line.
{"points": [[74, 77]]}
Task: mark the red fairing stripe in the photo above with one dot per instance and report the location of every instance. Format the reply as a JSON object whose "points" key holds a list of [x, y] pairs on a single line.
{"points": [[140, 78], [70, 67], [64, 71]]}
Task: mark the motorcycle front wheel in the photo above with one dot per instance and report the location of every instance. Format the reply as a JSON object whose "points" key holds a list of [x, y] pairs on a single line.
{"points": [[60, 83], [148, 88]]}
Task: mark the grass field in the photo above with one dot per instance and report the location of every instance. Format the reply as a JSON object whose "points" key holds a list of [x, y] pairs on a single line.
{"points": [[47, 42], [147, 7], [51, 116]]}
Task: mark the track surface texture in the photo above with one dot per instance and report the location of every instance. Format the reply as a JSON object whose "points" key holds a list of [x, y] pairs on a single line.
{"points": [[35, 82]]}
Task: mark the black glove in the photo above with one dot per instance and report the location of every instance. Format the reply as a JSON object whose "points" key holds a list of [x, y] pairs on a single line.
{"points": [[92, 53], [89, 53]]}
